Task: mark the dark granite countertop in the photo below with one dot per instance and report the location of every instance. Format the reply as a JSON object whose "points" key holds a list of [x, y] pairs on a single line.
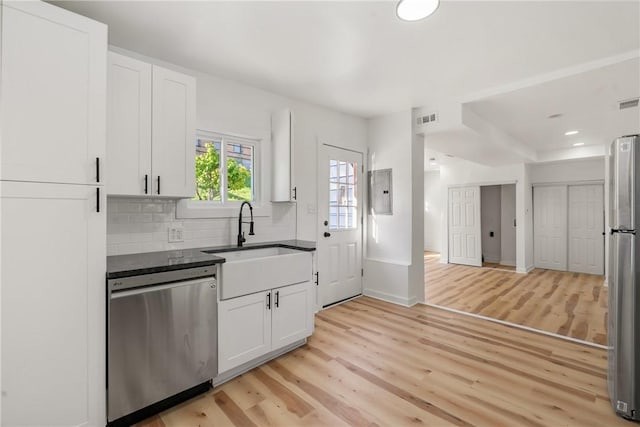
{"points": [[155, 262]]}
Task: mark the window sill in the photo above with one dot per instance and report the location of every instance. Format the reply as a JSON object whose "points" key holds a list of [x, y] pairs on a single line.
{"points": [[191, 209]]}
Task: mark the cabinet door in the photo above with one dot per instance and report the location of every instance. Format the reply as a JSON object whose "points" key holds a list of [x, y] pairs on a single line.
{"points": [[244, 329], [174, 134], [292, 314], [128, 126], [53, 304], [281, 157], [53, 94]]}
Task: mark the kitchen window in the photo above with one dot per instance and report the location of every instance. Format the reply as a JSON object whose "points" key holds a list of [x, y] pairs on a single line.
{"points": [[226, 169]]}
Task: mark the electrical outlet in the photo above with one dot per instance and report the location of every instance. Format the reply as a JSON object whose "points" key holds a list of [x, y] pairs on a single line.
{"points": [[176, 234]]}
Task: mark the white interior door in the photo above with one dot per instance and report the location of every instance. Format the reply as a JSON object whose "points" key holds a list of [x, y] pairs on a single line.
{"points": [[340, 224], [465, 245], [550, 227], [586, 227]]}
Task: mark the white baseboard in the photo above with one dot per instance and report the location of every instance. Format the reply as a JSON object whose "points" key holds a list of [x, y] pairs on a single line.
{"points": [[508, 262], [493, 259], [395, 299]]}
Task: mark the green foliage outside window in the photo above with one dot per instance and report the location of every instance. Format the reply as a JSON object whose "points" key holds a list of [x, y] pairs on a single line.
{"points": [[208, 177]]}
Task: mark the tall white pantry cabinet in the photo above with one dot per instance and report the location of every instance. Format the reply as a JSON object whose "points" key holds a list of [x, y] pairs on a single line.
{"points": [[52, 216]]}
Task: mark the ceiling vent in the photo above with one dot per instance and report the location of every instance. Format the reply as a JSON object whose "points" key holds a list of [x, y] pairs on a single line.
{"points": [[629, 103], [429, 118]]}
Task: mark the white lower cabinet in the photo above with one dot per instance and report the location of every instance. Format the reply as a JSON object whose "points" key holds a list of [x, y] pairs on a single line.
{"points": [[52, 269], [253, 325]]}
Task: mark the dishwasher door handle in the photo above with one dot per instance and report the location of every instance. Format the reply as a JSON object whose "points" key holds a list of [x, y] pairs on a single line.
{"points": [[156, 288]]}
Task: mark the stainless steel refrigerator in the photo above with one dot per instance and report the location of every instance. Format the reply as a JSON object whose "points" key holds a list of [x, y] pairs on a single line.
{"points": [[624, 277]]}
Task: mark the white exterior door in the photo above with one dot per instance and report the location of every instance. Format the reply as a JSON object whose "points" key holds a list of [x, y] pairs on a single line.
{"points": [[586, 227], [53, 94], [465, 245], [550, 227], [174, 133], [53, 312], [340, 224], [129, 126]]}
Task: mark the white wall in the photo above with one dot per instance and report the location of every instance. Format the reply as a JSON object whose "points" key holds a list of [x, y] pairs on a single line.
{"points": [[458, 172], [569, 171], [507, 229], [230, 107], [433, 211], [490, 219], [393, 260]]}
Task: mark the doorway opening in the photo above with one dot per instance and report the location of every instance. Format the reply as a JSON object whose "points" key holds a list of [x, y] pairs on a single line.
{"points": [[498, 226]]}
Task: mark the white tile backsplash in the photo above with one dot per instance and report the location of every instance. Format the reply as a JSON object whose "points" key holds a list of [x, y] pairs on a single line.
{"points": [[141, 225]]}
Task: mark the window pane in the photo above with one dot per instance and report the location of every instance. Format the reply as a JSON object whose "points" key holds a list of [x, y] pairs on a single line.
{"points": [[207, 169], [239, 171], [342, 195]]}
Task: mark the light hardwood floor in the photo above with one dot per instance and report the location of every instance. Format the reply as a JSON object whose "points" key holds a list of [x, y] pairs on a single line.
{"points": [[569, 304], [371, 363]]}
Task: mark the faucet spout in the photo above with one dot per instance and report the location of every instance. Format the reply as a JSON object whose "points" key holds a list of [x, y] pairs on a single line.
{"points": [[241, 238]]}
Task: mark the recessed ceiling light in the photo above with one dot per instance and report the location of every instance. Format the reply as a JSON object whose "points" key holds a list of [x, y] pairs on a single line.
{"points": [[578, 144], [572, 132], [414, 10]]}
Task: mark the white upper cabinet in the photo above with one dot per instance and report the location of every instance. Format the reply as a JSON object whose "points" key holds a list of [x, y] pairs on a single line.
{"points": [[151, 130], [174, 133], [129, 126], [282, 186], [53, 94]]}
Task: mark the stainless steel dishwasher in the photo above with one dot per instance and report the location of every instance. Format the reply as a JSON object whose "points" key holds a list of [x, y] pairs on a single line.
{"points": [[162, 341]]}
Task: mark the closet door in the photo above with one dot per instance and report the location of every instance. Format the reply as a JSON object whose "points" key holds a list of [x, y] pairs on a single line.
{"points": [[465, 246], [586, 227], [550, 227]]}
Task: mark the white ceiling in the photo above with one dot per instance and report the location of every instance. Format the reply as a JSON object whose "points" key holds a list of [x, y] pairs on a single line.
{"points": [[357, 57], [588, 103]]}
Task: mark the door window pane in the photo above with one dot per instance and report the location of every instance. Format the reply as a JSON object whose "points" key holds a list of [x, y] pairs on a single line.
{"points": [[343, 201]]}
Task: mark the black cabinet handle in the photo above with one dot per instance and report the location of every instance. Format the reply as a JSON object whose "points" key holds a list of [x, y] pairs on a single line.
{"points": [[295, 193], [327, 234], [158, 184], [146, 184], [317, 278], [97, 169], [98, 199], [269, 301], [277, 303]]}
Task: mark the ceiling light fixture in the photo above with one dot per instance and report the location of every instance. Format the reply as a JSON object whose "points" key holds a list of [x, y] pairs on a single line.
{"points": [[578, 144], [572, 132], [414, 10]]}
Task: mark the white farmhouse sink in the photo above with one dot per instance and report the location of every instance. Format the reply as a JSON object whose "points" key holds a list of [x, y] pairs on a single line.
{"points": [[255, 253], [255, 270]]}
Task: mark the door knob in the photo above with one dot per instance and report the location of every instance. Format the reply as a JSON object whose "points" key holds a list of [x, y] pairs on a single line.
{"points": [[327, 234]]}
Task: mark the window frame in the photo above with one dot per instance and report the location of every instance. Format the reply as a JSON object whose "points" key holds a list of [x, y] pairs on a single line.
{"points": [[224, 208]]}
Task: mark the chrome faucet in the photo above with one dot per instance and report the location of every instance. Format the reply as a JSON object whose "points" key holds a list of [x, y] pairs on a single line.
{"points": [[241, 238]]}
